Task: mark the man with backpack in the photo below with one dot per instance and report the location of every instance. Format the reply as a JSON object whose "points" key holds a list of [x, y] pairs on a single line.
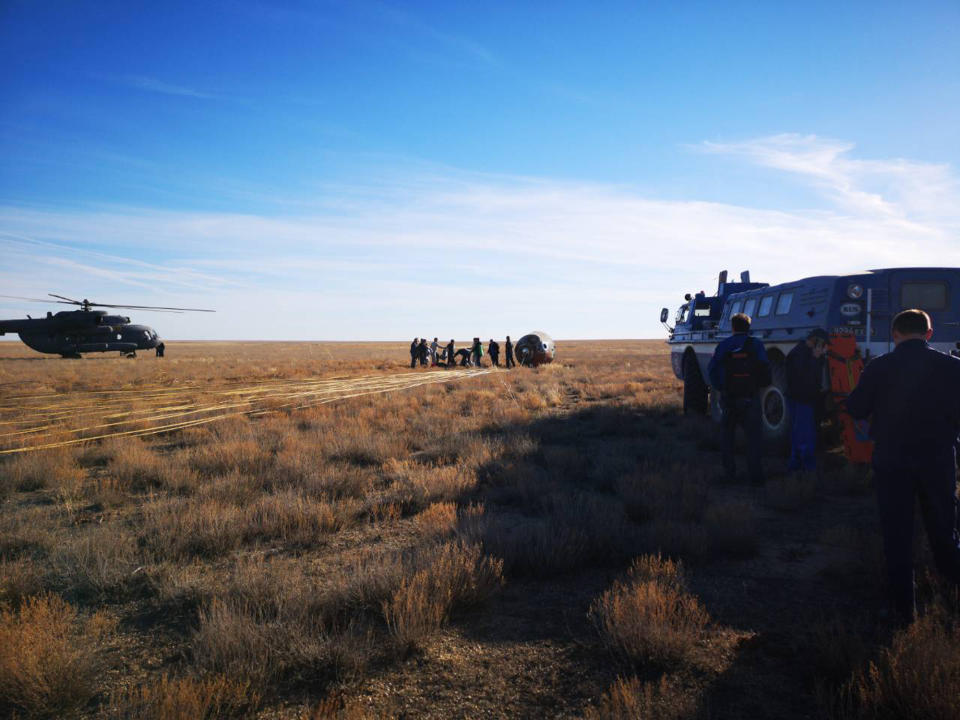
{"points": [[738, 369]]}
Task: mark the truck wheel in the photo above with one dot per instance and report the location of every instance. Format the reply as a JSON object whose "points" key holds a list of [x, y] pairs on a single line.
{"points": [[773, 401], [694, 388]]}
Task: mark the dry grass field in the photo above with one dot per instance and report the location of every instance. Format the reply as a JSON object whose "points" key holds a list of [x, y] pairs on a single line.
{"points": [[313, 530]]}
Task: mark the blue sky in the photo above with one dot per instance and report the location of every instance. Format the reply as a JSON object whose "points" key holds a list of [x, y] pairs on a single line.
{"points": [[363, 170]]}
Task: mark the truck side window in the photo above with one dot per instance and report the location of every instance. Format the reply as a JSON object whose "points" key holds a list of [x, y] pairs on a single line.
{"points": [[924, 295], [682, 314], [765, 306], [735, 308], [784, 303], [749, 306]]}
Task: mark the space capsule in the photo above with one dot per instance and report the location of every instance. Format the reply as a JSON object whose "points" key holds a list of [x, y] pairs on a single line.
{"points": [[535, 348]]}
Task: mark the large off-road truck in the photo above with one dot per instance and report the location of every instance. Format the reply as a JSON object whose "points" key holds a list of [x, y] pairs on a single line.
{"points": [[862, 305]]}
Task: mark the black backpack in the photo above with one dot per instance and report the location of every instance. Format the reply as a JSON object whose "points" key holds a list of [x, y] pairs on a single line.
{"points": [[743, 373]]}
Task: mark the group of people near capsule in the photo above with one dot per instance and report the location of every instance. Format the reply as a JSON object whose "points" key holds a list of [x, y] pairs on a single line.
{"points": [[448, 356], [911, 398]]}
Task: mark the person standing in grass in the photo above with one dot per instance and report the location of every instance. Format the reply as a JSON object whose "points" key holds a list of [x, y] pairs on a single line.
{"points": [[508, 349], [477, 351], [450, 356], [494, 349], [433, 351], [414, 352], [422, 352], [912, 397], [804, 380], [738, 370]]}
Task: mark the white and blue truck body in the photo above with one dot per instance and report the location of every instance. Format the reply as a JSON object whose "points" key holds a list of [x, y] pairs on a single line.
{"points": [[861, 304]]}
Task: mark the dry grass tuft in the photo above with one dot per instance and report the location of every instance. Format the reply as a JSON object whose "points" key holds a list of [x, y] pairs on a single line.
{"points": [[50, 658], [917, 677], [19, 579], [184, 699], [633, 699], [437, 520], [457, 576], [53, 469], [650, 618]]}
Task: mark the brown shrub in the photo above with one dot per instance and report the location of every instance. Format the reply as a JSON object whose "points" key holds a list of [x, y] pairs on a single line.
{"points": [[456, 576], [184, 699], [243, 642], [682, 494], [96, 562], [633, 699], [438, 519], [19, 579], [244, 455], [917, 677], [181, 528], [54, 469], [650, 617], [792, 491], [292, 518], [50, 658], [732, 528]]}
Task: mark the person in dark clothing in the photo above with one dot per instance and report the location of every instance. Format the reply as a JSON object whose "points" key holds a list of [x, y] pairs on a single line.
{"points": [[464, 355], [422, 352], [493, 347], [804, 369], [508, 349], [414, 352], [912, 397], [738, 370], [448, 351], [160, 349], [477, 352]]}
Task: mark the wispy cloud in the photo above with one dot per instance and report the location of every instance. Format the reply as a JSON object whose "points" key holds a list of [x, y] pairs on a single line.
{"points": [[489, 253], [895, 187], [150, 84]]}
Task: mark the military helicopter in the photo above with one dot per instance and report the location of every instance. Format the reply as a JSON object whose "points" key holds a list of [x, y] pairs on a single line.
{"points": [[535, 348], [69, 333]]}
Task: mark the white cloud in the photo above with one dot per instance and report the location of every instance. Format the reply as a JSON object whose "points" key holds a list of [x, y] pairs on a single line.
{"points": [[473, 254]]}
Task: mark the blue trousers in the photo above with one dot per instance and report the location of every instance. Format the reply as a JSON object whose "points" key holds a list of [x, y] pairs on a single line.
{"points": [[747, 413], [803, 436], [933, 482]]}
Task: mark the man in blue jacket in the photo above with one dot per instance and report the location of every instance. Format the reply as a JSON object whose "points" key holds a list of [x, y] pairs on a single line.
{"points": [[804, 368], [738, 370], [912, 396]]}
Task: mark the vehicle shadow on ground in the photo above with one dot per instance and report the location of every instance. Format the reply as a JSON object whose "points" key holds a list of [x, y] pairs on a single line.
{"points": [[566, 508]]}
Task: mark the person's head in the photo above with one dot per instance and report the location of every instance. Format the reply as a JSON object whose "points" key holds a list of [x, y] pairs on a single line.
{"points": [[817, 341], [434, 339], [740, 323], [913, 324], [508, 337]]}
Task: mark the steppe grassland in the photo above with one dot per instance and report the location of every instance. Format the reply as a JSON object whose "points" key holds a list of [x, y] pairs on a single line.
{"points": [[284, 565]]}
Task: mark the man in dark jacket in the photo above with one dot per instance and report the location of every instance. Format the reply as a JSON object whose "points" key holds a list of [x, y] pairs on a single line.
{"points": [[414, 352], [738, 370], [423, 352], [508, 348], [494, 349], [449, 354], [804, 369], [912, 397]]}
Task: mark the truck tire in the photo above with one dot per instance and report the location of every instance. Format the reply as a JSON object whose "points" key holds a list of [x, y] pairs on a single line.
{"points": [[773, 403], [694, 388]]}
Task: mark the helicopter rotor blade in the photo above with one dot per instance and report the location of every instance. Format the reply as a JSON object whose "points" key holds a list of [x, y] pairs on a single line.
{"points": [[150, 307], [43, 300], [75, 302]]}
